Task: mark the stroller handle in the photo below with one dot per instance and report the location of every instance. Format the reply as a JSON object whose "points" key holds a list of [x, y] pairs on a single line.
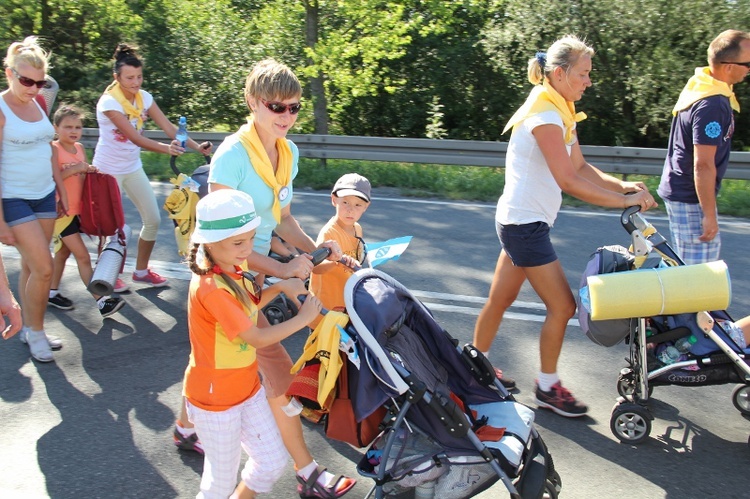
{"points": [[173, 163], [627, 219], [302, 298]]}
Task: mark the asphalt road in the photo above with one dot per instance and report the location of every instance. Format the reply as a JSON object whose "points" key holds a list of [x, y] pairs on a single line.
{"points": [[98, 421]]}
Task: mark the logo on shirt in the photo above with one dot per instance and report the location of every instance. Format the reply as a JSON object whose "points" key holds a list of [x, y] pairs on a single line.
{"points": [[713, 129]]}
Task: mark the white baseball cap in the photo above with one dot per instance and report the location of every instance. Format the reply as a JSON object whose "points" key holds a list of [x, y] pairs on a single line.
{"points": [[222, 214]]}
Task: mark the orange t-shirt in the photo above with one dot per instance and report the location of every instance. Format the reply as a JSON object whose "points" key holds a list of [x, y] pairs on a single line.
{"points": [[74, 183], [329, 287], [222, 371]]}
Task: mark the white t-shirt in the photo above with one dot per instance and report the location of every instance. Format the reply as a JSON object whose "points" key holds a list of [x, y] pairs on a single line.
{"points": [[531, 193], [115, 153]]}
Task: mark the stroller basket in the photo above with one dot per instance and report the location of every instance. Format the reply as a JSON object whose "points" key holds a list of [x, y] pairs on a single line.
{"points": [[446, 425]]}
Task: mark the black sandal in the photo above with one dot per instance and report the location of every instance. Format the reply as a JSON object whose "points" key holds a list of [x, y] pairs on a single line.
{"points": [[312, 489]]}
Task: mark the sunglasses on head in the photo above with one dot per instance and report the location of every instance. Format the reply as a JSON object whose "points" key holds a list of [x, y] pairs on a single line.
{"points": [[745, 64], [280, 108], [28, 82]]}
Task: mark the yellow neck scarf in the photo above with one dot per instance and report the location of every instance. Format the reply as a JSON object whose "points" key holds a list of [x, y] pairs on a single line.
{"points": [[260, 161], [133, 112], [702, 85], [545, 98]]}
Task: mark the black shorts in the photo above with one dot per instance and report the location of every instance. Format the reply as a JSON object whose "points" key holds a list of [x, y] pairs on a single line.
{"points": [[74, 227], [527, 245]]}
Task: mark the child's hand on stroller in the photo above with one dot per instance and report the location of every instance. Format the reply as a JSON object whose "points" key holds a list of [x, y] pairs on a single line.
{"points": [[292, 288], [310, 309], [205, 148]]}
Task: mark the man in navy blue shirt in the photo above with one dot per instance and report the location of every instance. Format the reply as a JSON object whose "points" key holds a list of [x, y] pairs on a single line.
{"points": [[699, 143]]}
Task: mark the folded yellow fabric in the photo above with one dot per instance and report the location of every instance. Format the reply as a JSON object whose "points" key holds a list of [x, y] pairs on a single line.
{"points": [[660, 291], [260, 161], [545, 98], [702, 85], [323, 345], [132, 112]]}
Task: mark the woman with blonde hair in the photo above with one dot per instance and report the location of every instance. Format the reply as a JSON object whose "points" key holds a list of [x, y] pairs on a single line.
{"points": [[28, 182], [544, 160]]}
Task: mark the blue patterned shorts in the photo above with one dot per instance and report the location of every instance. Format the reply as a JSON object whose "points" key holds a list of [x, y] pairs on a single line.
{"points": [[686, 226]]}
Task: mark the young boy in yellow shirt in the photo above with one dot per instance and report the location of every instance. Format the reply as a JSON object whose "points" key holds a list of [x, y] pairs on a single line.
{"points": [[351, 198]]}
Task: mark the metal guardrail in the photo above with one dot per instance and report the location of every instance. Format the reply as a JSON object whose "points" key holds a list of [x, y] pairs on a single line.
{"points": [[622, 160]]}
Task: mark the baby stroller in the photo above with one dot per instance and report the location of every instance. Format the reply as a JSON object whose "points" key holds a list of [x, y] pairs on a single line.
{"points": [[449, 425], [713, 357]]}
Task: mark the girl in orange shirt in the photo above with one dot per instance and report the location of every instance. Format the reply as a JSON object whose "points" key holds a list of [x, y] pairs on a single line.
{"points": [[225, 399]]}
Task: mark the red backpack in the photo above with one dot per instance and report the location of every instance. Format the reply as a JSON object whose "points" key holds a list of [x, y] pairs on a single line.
{"points": [[101, 208]]}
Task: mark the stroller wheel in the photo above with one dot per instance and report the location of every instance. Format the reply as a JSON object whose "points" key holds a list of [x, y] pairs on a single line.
{"points": [[626, 385], [630, 423], [741, 399], [279, 310], [552, 486]]}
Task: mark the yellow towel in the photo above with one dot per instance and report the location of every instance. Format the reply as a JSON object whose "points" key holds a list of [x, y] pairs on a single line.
{"points": [[702, 85], [133, 112], [323, 345], [545, 98], [248, 136]]}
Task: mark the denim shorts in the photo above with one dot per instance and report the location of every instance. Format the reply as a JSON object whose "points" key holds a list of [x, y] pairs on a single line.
{"points": [[18, 211], [527, 245]]}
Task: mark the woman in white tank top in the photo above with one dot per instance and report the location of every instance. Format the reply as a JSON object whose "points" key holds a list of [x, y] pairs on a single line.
{"points": [[28, 183]]}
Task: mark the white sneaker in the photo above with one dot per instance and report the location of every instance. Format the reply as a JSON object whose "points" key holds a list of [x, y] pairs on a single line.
{"points": [[38, 345], [55, 343]]}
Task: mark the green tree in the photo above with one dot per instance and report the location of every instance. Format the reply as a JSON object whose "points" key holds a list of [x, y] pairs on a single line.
{"points": [[646, 51]]}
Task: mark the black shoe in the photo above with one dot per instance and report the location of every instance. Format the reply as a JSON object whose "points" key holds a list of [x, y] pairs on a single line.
{"points": [[507, 382], [60, 302], [110, 306]]}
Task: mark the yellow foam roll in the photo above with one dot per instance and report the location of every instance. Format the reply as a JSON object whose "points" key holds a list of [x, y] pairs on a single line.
{"points": [[663, 291]]}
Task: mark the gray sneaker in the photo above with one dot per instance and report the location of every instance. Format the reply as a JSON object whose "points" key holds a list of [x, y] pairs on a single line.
{"points": [[110, 306]]}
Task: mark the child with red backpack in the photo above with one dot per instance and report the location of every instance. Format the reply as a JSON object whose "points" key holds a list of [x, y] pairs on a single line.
{"points": [[70, 157]]}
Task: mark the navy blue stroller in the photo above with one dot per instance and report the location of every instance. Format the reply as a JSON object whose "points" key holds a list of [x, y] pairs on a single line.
{"points": [[450, 425]]}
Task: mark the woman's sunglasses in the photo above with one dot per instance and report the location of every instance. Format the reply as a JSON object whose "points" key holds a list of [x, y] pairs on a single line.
{"points": [[280, 108], [28, 82]]}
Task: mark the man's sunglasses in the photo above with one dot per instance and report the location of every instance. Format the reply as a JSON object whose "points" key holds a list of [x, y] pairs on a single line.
{"points": [[745, 64], [28, 82], [280, 108]]}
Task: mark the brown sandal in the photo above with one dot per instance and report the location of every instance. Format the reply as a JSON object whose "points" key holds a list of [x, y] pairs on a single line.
{"points": [[312, 489]]}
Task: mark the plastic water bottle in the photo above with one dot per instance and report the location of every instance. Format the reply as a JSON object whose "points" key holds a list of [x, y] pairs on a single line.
{"points": [[425, 490], [669, 355], [684, 344], [182, 134]]}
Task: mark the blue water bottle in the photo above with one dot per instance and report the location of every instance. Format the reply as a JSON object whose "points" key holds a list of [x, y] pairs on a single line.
{"points": [[182, 134]]}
